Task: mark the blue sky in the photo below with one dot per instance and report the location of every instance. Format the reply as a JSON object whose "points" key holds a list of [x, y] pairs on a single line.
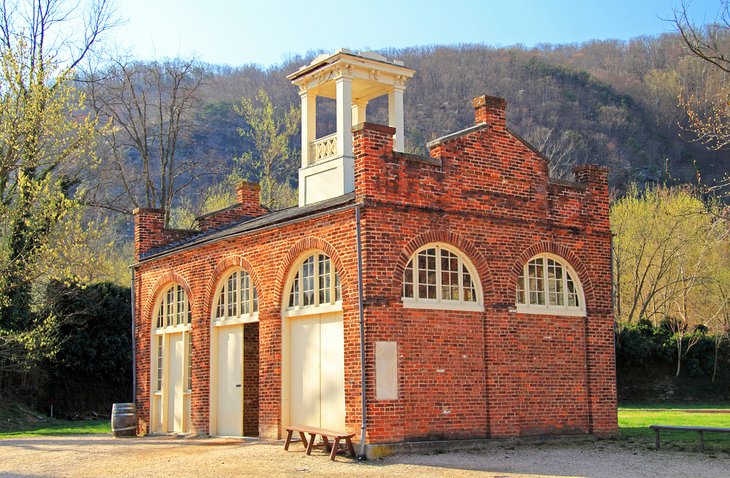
{"points": [[266, 32]]}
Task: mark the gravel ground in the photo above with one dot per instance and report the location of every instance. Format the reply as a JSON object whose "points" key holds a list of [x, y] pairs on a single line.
{"points": [[104, 456]]}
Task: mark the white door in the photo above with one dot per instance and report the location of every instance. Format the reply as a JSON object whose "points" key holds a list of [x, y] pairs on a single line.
{"points": [[332, 365], [317, 377], [175, 400], [230, 381]]}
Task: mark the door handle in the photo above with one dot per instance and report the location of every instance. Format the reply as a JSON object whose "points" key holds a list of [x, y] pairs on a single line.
{"points": [[238, 385]]}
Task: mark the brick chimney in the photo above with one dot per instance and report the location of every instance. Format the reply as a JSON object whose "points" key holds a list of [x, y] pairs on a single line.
{"points": [[370, 144], [249, 198], [149, 224], [490, 110]]}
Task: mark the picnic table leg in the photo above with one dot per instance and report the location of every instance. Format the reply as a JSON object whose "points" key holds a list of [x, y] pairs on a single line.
{"points": [[304, 439], [312, 437], [656, 439], [288, 440], [326, 441], [350, 448], [702, 440], [333, 453]]}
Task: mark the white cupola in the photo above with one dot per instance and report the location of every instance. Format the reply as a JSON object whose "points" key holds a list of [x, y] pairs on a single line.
{"points": [[352, 80]]}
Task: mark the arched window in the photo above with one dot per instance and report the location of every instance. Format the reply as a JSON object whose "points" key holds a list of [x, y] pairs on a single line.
{"points": [[548, 285], [172, 381], [440, 277], [237, 299], [316, 283]]}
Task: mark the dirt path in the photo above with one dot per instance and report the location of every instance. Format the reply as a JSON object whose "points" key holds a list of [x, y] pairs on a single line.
{"points": [[103, 456]]}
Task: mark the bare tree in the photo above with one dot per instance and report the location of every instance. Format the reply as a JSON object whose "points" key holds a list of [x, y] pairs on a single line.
{"points": [[149, 110], [562, 148], [708, 110]]}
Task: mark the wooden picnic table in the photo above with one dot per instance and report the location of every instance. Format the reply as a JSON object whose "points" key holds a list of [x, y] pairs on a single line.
{"points": [[700, 430], [326, 435]]}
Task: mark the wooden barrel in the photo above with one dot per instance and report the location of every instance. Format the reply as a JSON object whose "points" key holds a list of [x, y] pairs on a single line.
{"points": [[124, 419]]}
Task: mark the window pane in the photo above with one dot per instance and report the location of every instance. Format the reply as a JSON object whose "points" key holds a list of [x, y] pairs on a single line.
{"points": [[232, 295], [572, 292], [449, 275], [427, 274], [245, 293], [308, 281], [521, 288], [220, 308], [408, 280], [159, 362], [470, 292], [324, 266], [255, 298], [535, 282], [181, 312], [555, 283], [338, 288], [170, 299], [294, 295]]}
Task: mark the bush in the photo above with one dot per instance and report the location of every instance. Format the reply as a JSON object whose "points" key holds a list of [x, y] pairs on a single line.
{"points": [[93, 367]]}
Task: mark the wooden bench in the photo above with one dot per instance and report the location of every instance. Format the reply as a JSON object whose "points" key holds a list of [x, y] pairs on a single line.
{"points": [[700, 430], [326, 436]]}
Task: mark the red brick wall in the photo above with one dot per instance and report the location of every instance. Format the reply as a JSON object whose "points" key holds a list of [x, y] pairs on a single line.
{"points": [[251, 379], [461, 374]]}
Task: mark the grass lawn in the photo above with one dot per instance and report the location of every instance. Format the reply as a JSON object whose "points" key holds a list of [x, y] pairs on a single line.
{"points": [[53, 426], [634, 421]]}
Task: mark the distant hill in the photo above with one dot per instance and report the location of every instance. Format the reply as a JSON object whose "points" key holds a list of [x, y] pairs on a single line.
{"points": [[606, 102]]}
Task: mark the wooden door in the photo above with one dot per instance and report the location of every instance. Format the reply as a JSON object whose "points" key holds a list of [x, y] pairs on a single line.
{"points": [[230, 381]]}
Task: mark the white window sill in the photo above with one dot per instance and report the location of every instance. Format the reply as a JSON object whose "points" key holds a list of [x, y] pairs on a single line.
{"points": [[548, 310], [445, 305], [171, 329], [246, 319], [313, 309]]}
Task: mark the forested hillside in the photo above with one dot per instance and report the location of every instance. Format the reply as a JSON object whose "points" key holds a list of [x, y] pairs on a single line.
{"points": [[607, 102]]}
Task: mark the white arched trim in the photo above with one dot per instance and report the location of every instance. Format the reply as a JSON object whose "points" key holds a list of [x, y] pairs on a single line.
{"points": [[549, 285], [313, 286], [236, 300], [439, 276]]}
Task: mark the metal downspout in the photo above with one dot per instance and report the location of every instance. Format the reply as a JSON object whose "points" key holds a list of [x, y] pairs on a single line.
{"points": [[363, 404], [134, 344]]}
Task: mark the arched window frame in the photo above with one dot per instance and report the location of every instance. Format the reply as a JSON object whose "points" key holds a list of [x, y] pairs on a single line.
{"points": [[524, 291], [229, 307], [325, 284], [440, 303]]}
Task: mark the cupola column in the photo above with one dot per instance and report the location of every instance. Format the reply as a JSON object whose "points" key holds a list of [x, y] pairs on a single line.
{"points": [[395, 116], [309, 124], [343, 88], [359, 112]]}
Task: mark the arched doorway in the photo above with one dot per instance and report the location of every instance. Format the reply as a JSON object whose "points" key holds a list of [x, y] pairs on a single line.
{"points": [[313, 380], [234, 356], [171, 365]]}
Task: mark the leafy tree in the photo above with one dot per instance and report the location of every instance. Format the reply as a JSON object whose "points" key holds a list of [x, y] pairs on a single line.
{"points": [[270, 161], [670, 263], [46, 140]]}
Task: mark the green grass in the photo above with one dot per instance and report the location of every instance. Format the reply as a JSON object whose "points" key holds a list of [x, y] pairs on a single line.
{"points": [[634, 421], [54, 426]]}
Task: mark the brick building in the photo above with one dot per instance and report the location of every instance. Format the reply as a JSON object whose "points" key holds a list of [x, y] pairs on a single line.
{"points": [[470, 293]]}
